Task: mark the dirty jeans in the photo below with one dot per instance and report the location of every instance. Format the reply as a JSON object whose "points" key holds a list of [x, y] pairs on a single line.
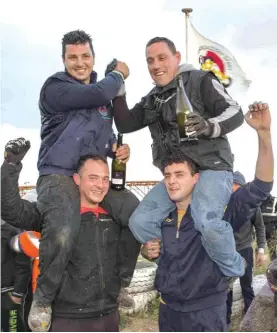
{"points": [[59, 205], [209, 199]]}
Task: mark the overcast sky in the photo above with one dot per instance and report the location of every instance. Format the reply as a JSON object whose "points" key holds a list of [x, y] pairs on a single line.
{"points": [[31, 33]]}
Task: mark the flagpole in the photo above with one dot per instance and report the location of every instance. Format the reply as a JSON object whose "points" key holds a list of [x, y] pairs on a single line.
{"points": [[187, 11]]}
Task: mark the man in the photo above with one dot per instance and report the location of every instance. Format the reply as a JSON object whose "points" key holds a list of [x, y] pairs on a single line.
{"points": [[193, 290], [269, 211], [15, 283], [244, 239], [216, 114], [75, 121], [103, 257]]}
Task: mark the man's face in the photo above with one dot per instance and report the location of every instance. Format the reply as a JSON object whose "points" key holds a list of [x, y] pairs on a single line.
{"points": [[79, 61], [93, 182], [179, 182], [235, 187], [162, 63]]}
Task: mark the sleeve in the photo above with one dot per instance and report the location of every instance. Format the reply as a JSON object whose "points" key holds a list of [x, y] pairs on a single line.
{"points": [[126, 120], [245, 201], [14, 210], [22, 275], [121, 204], [225, 114], [258, 223], [65, 96]]}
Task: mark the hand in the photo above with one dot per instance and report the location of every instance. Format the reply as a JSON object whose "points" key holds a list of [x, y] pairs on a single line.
{"points": [[122, 68], [15, 150], [151, 250], [111, 66], [258, 117], [198, 125], [260, 259], [16, 300], [122, 153]]}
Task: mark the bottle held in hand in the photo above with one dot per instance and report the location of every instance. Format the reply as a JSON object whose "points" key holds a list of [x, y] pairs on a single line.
{"points": [[118, 177], [183, 109]]}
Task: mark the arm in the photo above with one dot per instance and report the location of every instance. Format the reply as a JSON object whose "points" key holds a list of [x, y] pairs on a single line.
{"points": [[258, 223], [248, 198], [126, 120], [22, 275], [14, 210], [225, 113], [120, 206], [65, 96]]}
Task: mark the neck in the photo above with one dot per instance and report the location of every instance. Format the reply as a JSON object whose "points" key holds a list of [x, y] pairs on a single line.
{"points": [[85, 203], [183, 205]]}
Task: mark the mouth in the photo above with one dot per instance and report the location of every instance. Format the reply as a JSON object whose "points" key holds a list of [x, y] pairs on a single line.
{"points": [[159, 74], [97, 192], [80, 71]]}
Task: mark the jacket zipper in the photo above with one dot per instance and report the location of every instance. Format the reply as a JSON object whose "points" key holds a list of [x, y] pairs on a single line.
{"points": [[101, 272]]}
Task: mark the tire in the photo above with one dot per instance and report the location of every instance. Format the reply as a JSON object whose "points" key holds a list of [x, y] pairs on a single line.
{"points": [[143, 278], [258, 282], [141, 301]]}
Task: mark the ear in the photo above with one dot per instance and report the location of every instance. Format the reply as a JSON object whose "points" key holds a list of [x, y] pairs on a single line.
{"points": [[76, 179], [196, 178], [178, 56]]}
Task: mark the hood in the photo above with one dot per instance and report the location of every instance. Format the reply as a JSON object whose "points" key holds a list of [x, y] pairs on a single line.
{"points": [[186, 68]]}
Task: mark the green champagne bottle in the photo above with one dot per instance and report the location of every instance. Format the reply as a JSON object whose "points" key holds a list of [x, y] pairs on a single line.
{"points": [[183, 109], [118, 169]]}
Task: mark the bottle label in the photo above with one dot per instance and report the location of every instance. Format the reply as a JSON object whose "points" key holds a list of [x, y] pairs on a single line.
{"points": [[117, 181], [118, 178]]}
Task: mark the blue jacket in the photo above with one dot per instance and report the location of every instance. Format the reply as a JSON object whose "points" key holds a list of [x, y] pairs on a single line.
{"points": [[187, 278], [75, 121]]}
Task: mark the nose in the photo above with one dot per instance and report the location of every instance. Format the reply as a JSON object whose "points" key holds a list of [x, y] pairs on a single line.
{"points": [[172, 180], [100, 183], [79, 62]]}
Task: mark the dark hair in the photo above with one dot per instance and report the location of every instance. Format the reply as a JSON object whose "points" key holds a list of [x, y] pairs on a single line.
{"points": [[85, 158], [179, 157], [76, 37], [169, 43]]}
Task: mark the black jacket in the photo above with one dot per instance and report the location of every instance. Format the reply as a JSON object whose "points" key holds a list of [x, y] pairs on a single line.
{"points": [[15, 267], [157, 110], [104, 256]]}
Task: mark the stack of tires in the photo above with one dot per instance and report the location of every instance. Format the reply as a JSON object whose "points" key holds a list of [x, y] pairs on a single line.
{"points": [[141, 288]]}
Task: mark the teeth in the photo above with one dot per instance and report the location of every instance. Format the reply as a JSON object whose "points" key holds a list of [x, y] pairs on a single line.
{"points": [[160, 73]]}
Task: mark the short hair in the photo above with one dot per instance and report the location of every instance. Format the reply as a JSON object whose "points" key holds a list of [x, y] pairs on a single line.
{"points": [[180, 157], [85, 158], [76, 37], [169, 43]]}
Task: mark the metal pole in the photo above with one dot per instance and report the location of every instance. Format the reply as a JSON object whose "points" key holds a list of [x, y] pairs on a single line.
{"points": [[187, 11]]}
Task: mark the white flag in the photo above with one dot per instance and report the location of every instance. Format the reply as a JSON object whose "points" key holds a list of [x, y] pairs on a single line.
{"points": [[210, 56]]}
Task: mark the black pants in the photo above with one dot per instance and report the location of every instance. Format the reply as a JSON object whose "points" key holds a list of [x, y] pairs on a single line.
{"points": [[11, 315], [108, 323], [207, 320], [271, 238], [59, 205], [245, 283]]}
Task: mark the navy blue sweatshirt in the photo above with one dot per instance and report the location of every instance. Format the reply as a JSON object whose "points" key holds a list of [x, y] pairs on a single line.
{"points": [[76, 120], [187, 278]]}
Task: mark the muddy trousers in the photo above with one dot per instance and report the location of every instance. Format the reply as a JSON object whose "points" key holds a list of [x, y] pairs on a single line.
{"points": [[59, 205], [108, 323]]}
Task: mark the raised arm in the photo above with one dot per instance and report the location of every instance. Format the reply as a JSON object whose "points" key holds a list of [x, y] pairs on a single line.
{"points": [[248, 198], [14, 210], [64, 96]]}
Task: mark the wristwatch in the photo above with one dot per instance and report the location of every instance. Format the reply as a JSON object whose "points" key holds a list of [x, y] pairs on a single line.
{"points": [[261, 250]]}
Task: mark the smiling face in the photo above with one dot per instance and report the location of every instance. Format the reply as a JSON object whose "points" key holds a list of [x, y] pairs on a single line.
{"points": [[93, 182], [162, 63], [79, 61]]}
